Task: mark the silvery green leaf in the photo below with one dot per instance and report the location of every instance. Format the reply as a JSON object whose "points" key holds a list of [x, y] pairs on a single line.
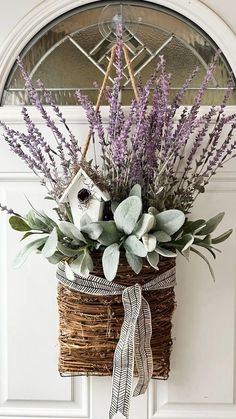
{"points": [[85, 219], [114, 205], [93, 230], [51, 244], [193, 227], [206, 260], [110, 233], [82, 265], [69, 273], [170, 221], [162, 236], [149, 241], [35, 222], [135, 262], [136, 191], [135, 246], [144, 225], [71, 231], [212, 224], [56, 258], [17, 223], [67, 251], [127, 214], [165, 252], [26, 251], [153, 259], [152, 210], [110, 261], [222, 237], [188, 239]]}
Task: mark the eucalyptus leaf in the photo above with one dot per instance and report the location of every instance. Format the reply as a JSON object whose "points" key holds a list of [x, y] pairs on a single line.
{"points": [[149, 241], [162, 236], [144, 225], [153, 259], [26, 251], [136, 191], [135, 262], [222, 237], [170, 221], [165, 252], [127, 214], [17, 223], [152, 210], [110, 261], [135, 246], [212, 224]]}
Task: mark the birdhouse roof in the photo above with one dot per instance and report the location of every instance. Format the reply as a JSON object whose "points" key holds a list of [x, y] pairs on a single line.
{"points": [[104, 194]]}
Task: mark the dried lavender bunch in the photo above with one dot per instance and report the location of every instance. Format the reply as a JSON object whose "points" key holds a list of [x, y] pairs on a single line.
{"points": [[54, 166], [172, 156]]}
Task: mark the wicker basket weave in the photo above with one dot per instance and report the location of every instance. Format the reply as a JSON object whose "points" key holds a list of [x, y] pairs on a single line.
{"points": [[90, 325]]}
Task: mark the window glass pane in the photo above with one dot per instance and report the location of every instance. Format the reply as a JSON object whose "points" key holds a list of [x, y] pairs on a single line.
{"points": [[72, 54]]}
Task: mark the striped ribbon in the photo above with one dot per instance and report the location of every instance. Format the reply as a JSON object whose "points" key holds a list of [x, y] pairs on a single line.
{"points": [[135, 336]]}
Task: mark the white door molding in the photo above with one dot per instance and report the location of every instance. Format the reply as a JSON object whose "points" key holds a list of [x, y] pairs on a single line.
{"points": [[48, 10]]}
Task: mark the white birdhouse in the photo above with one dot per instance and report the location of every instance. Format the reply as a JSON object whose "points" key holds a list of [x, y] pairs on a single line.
{"points": [[85, 197]]}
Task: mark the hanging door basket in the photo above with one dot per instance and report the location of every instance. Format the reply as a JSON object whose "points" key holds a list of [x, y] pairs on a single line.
{"points": [[90, 325]]}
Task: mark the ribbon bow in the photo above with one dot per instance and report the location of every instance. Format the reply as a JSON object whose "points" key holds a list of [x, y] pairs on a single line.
{"points": [[135, 336]]}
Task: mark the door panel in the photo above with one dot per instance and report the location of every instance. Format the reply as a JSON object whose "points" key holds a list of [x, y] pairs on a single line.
{"points": [[201, 382]]}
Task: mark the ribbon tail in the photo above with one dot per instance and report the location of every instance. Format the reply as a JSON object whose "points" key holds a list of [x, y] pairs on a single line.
{"points": [[123, 364], [143, 351]]}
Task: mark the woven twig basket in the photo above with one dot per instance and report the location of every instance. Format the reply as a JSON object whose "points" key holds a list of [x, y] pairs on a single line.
{"points": [[90, 325]]}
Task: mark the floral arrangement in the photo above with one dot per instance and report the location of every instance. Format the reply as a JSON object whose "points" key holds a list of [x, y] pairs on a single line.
{"points": [[155, 161], [153, 182]]}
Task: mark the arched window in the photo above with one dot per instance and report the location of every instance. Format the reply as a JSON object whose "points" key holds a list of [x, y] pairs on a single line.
{"points": [[71, 53]]}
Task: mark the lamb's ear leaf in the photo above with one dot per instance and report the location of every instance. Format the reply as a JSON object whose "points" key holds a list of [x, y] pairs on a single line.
{"points": [[150, 242], [83, 264], [50, 246], [26, 251], [93, 230], [170, 221], [212, 224], [162, 236], [135, 262], [110, 233], [144, 225], [17, 223], [153, 259], [69, 273], [136, 191], [114, 205], [127, 214], [85, 219], [67, 251], [165, 252], [205, 260], [110, 261], [71, 231], [135, 246]]}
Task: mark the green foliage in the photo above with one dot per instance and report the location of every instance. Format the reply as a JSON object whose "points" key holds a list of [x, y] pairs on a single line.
{"points": [[140, 235], [127, 214], [110, 261], [17, 223]]}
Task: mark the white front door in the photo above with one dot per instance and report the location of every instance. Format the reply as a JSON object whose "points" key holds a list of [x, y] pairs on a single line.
{"points": [[201, 383]]}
